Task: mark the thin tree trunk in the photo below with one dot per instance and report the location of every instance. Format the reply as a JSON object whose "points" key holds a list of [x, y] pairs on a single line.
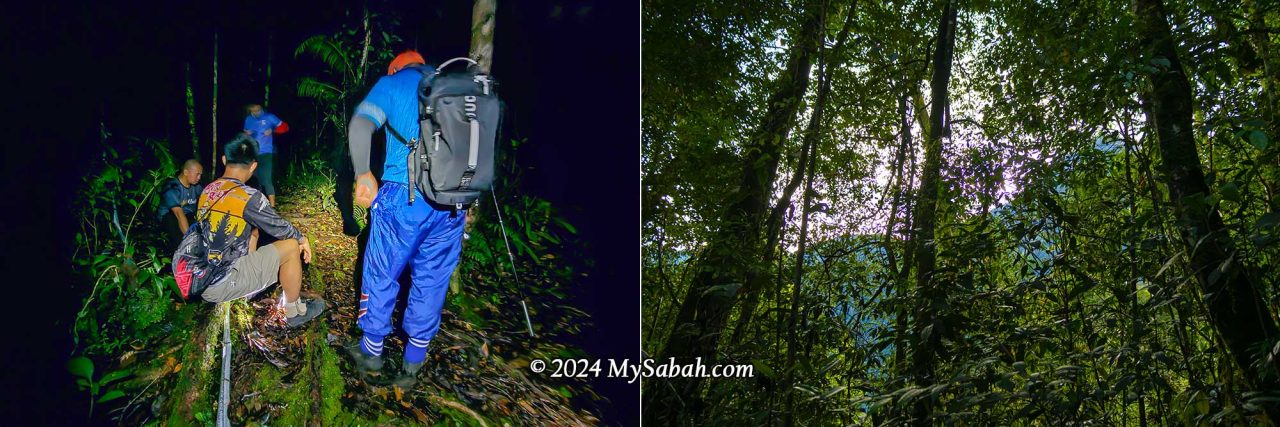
{"points": [[900, 288], [482, 23], [1231, 298], [929, 327], [191, 114], [733, 250], [266, 85], [213, 160], [364, 49], [751, 291], [814, 132], [773, 227]]}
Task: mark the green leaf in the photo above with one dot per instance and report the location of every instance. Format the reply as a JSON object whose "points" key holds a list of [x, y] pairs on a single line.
{"points": [[114, 375], [1230, 191], [568, 227], [111, 395], [81, 367], [763, 367], [1259, 139], [1269, 220]]}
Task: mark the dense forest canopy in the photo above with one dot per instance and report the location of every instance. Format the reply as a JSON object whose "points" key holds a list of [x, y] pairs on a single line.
{"points": [[963, 210]]}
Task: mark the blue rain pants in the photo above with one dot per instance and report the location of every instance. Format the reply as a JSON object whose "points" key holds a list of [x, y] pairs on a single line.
{"points": [[426, 238]]}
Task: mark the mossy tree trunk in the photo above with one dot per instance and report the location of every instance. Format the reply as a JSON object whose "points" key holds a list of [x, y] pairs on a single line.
{"points": [[1235, 308], [733, 252]]}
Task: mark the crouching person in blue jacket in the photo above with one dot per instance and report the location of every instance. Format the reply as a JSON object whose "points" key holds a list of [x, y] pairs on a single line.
{"points": [[423, 236]]}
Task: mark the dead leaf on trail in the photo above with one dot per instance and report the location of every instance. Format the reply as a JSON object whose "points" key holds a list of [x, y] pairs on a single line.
{"points": [[177, 367], [421, 416]]}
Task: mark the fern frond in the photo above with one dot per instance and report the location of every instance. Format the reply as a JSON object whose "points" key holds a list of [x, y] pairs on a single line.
{"points": [[329, 51], [309, 87]]}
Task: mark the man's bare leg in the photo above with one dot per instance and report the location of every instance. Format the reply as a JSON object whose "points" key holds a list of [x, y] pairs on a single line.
{"points": [[290, 268], [253, 240], [272, 199]]}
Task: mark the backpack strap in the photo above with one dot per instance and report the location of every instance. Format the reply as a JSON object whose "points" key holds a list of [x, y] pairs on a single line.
{"points": [[405, 141], [411, 164], [473, 155], [209, 211]]}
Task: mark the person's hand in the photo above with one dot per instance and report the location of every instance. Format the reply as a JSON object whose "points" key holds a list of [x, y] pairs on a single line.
{"points": [[304, 246], [366, 189], [253, 240]]}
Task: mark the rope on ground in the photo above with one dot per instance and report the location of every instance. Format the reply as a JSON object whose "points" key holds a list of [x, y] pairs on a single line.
{"points": [[225, 392]]}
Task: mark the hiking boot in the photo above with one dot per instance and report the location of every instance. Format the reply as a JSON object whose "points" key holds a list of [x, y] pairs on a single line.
{"points": [[365, 364], [350, 227], [411, 368], [304, 310], [409, 375]]}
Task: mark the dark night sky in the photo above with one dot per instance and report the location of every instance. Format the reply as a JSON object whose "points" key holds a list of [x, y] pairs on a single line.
{"points": [[569, 72]]}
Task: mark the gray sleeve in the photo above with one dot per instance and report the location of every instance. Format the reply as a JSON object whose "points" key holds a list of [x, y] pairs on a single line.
{"points": [[359, 140], [259, 213]]}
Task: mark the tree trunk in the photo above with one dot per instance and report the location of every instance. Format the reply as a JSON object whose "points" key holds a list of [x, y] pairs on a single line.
{"points": [[928, 328], [1235, 308], [482, 22], [266, 85], [213, 139], [773, 226], [732, 253], [899, 190], [813, 132], [191, 114], [364, 50]]}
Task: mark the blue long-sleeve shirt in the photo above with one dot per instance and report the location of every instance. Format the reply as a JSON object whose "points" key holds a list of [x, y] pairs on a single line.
{"points": [[394, 100]]}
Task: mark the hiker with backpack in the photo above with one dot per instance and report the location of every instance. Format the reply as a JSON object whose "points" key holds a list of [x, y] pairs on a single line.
{"points": [[262, 126], [178, 203], [216, 260], [439, 157]]}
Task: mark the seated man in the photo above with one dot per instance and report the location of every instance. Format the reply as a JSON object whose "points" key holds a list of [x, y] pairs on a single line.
{"points": [[178, 202], [229, 210]]}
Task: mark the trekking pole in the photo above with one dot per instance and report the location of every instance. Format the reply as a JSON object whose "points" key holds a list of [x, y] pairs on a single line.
{"points": [[502, 226], [225, 391]]}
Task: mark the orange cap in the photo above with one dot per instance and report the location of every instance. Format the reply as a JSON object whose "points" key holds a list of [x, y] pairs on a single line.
{"points": [[403, 59]]}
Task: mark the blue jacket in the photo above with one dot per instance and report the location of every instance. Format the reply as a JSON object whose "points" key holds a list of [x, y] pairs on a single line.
{"points": [[262, 129]]}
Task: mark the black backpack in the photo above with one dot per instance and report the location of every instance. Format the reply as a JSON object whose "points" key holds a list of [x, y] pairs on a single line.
{"points": [[459, 115]]}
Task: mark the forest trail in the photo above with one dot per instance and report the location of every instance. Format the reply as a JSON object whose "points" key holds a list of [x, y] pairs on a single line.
{"points": [[296, 377]]}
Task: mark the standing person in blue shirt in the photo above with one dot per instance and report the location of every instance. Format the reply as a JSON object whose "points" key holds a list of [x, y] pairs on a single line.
{"points": [[178, 203], [261, 126], [423, 235]]}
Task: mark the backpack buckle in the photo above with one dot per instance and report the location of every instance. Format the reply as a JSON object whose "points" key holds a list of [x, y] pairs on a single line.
{"points": [[484, 80]]}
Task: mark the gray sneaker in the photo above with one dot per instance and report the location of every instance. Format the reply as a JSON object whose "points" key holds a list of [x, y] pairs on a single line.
{"points": [[315, 306]]}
